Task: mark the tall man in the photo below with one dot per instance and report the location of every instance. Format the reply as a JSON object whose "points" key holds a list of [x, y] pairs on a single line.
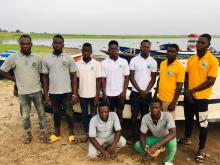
{"points": [[59, 76], [89, 76], [143, 69], [172, 74], [27, 69], [115, 78], [201, 73]]}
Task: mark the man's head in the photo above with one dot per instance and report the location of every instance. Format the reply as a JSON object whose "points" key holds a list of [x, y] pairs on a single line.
{"points": [[58, 43], [203, 42], [25, 44], [86, 50], [113, 48], [145, 46], [155, 107], [172, 52], [103, 110]]}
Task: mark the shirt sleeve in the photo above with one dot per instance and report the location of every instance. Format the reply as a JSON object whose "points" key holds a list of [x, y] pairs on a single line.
{"points": [[181, 74], [213, 70], [45, 68], [103, 71], [170, 121], [154, 67], [92, 127], [144, 127], [8, 64], [126, 69], [72, 65], [117, 125], [98, 71], [131, 65]]}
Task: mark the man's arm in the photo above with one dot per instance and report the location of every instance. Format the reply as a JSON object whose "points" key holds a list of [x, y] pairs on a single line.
{"points": [[7, 75], [125, 87], [99, 147], [133, 81], [116, 139], [74, 85], [45, 84], [156, 89], [172, 105], [152, 82], [104, 88], [98, 83]]}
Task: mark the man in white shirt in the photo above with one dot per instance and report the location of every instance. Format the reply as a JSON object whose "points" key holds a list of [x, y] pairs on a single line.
{"points": [[143, 69], [115, 78], [105, 134], [89, 75]]}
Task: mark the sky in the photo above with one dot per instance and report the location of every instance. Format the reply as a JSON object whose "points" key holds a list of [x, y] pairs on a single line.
{"points": [[121, 17]]}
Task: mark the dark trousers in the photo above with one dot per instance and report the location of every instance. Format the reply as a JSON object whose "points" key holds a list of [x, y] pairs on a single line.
{"points": [[85, 103], [138, 105], [62, 102], [199, 109], [116, 104]]}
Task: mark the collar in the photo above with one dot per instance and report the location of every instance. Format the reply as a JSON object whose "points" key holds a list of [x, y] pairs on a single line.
{"points": [[205, 56], [100, 120], [56, 55], [21, 54], [148, 58], [161, 117], [173, 63], [83, 62]]}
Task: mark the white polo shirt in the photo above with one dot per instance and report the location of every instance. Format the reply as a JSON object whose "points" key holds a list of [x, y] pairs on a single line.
{"points": [[114, 72], [59, 68], [27, 71], [87, 74], [100, 128], [143, 68]]}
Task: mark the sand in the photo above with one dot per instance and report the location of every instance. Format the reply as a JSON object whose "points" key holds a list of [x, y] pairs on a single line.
{"points": [[13, 151]]}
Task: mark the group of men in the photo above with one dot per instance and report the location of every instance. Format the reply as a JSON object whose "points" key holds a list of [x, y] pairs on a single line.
{"points": [[61, 82]]}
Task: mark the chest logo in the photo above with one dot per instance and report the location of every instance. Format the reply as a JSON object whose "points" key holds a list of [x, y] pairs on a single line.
{"points": [[169, 72], [34, 64], [92, 67], [148, 66], [64, 62], [120, 66], [204, 64]]}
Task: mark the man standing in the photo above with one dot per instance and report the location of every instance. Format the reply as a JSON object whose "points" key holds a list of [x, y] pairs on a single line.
{"points": [[115, 78], [59, 76], [105, 134], [89, 75], [162, 127], [143, 69], [201, 73], [27, 69], [172, 74]]}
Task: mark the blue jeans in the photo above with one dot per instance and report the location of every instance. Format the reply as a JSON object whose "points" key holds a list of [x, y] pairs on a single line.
{"points": [[84, 103], [25, 109]]}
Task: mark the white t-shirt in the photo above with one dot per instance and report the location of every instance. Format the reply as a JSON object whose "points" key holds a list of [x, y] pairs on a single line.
{"points": [[87, 74], [114, 72], [143, 68]]}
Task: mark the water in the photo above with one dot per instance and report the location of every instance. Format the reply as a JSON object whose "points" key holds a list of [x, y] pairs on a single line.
{"points": [[102, 44]]}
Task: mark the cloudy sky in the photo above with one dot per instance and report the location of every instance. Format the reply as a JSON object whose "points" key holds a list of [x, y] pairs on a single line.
{"points": [[111, 16]]}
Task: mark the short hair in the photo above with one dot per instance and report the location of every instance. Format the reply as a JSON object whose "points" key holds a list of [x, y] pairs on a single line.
{"points": [[207, 36], [145, 41], [174, 46], [103, 104], [112, 42], [87, 45], [24, 36], [156, 100], [58, 36]]}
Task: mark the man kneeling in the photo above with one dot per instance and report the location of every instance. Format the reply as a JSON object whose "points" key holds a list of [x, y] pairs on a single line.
{"points": [[105, 134], [162, 127]]}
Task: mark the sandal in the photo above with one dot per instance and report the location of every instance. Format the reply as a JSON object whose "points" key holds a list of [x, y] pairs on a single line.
{"points": [[200, 158], [43, 137], [53, 138], [72, 139], [27, 138], [184, 141]]}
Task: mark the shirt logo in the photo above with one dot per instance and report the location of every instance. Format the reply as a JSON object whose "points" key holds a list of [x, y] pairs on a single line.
{"points": [[149, 66], [169, 73], [92, 68], [204, 64], [34, 64], [120, 66], [64, 62]]}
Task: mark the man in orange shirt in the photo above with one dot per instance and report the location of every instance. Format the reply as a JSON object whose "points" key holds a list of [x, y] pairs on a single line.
{"points": [[201, 73]]}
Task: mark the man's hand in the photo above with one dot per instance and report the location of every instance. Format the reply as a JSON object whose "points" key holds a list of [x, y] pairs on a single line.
{"points": [[152, 150], [189, 96], [47, 100], [142, 93], [74, 99], [96, 99], [123, 96], [106, 155], [171, 106]]}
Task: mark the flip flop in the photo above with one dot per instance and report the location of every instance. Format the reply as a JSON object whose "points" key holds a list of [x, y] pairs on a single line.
{"points": [[53, 138], [184, 141], [72, 139]]}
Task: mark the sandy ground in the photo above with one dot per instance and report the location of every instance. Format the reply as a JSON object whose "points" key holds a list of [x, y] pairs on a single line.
{"points": [[13, 151]]}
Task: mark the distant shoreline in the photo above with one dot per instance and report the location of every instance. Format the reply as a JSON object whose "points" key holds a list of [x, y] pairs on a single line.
{"points": [[15, 36]]}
